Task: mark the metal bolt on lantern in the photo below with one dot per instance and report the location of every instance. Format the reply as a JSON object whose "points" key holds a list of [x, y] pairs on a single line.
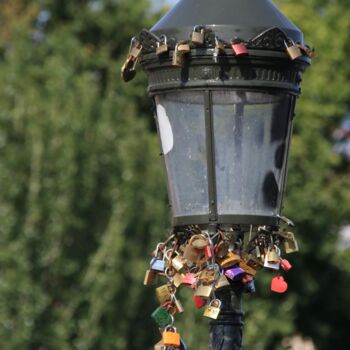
{"points": [[224, 77]]}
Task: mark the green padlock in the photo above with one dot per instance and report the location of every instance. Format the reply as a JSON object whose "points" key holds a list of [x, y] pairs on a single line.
{"points": [[161, 317]]}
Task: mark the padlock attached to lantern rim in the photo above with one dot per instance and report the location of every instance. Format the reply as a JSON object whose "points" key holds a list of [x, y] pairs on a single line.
{"points": [[198, 35], [162, 46], [213, 309], [292, 49], [239, 48], [171, 337]]}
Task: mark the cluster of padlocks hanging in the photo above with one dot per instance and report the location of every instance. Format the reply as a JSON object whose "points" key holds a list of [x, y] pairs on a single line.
{"points": [[182, 49], [208, 261]]}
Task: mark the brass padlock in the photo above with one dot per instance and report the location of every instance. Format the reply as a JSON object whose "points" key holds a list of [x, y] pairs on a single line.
{"points": [[207, 276], [290, 243], [213, 309], [178, 279], [178, 57], [179, 308], [219, 49], [163, 293], [272, 256], [229, 260], [293, 50], [171, 337], [162, 47], [222, 282], [248, 269], [204, 291], [128, 70], [252, 261], [150, 279], [199, 242], [184, 47], [197, 37], [178, 262]]}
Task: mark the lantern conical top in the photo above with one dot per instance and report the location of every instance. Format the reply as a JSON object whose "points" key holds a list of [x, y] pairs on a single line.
{"points": [[228, 18]]}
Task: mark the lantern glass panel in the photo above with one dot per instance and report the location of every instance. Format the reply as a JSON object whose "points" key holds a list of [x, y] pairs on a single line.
{"points": [[181, 126], [251, 133]]}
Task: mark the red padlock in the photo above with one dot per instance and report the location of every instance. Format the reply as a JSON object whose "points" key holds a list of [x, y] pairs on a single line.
{"points": [[208, 252], [200, 302], [279, 285], [239, 48], [286, 265]]}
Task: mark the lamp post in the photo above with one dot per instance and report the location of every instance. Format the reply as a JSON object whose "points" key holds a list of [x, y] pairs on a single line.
{"points": [[224, 76]]}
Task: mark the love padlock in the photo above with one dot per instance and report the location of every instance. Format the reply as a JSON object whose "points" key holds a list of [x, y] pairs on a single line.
{"points": [[171, 337], [200, 302], [279, 285], [239, 48], [189, 279], [235, 273], [213, 309], [161, 316], [286, 265]]}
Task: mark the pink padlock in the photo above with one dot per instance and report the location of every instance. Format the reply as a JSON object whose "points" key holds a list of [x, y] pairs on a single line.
{"points": [[286, 265], [239, 48], [189, 279]]}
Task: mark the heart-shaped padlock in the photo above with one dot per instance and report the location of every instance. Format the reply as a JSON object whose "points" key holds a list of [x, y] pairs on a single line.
{"points": [[279, 285]]}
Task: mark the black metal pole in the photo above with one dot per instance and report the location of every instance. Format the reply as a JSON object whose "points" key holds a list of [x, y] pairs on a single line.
{"points": [[226, 333]]}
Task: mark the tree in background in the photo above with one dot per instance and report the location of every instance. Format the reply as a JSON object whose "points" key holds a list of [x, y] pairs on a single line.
{"points": [[82, 189]]}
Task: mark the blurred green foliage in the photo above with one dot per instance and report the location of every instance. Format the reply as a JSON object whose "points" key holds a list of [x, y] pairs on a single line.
{"points": [[82, 188]]}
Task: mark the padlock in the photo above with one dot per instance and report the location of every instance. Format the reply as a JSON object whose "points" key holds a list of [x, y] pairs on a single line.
{"points": [[192, 254], [160, 346], [234, 273], [221, 250], [178, 262], [310, 52], [208, 252], [189, 279], [171, 337], [252, 261], [286, 265], [178, 57], [219, 49], [199, 301], [163, 293], [197, 36], [274, 266], [158, 265], [279, 285], [229, 260], [213, 309], [239, 48], [178, 279], [290, 243], [184, 47], [293, 50], [204, 291], [243, 265], [272, 256], [161, 316], [128, 70], [135, 48], [207, 276], [150, 278], [162, 46], [222, 282], [179, 308]]}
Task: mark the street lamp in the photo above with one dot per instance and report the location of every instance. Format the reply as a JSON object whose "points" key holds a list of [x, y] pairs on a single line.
{"points": [[224, 76]]}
